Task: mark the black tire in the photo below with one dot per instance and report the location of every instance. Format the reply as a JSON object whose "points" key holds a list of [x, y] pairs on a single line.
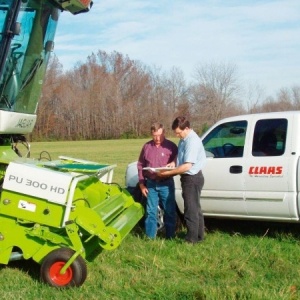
{"points": [[53, 263]]}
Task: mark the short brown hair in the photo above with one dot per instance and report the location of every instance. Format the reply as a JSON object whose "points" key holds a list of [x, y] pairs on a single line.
{"points": [[181, 123], [156, 126]]}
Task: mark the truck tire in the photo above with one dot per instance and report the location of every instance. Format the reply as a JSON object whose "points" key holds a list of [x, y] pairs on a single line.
{"points": [[138, 197], [75, 275]]}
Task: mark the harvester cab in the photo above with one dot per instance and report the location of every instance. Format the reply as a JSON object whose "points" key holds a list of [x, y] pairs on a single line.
{"points": [[59, 213]]}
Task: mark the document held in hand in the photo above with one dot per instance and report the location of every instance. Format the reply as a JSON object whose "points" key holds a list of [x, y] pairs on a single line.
{"points": [[155, 170]]}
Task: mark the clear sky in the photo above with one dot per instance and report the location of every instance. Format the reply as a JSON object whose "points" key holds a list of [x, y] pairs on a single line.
{"points": [[261, 38]]}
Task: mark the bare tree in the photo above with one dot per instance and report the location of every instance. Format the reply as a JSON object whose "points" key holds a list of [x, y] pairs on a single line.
{"points": [[296, 96], [176, 89], [286, 99], [112, 96], [49, 102], [255, 96], [215, 93]]}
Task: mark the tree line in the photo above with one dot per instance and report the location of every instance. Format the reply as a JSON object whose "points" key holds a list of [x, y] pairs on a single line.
{"points": [[111, 96]]}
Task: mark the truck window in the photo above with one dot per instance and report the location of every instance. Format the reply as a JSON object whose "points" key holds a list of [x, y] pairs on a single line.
{"points": [[226, 140], [269, 137]]}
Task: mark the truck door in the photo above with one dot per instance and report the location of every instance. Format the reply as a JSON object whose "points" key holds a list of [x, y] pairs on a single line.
{"points": [[270, 178], [223, 191]]}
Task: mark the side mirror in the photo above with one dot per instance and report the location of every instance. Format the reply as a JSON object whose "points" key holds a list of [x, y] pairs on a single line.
{"points": [[237, 130], [16, 28], [49, 46]]}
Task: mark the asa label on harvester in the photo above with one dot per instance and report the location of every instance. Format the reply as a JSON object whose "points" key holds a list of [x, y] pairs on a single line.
{"points": [[39, 182], [25, 205]]}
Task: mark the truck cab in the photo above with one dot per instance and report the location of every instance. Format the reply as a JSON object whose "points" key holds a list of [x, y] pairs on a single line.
{"points": [[252, 168]]}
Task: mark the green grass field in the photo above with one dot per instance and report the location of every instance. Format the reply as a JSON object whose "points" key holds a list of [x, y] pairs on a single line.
{"points": [[238, 260]]}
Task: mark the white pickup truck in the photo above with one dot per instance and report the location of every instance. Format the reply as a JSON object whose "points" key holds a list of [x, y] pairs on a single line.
{"points": [[252, 169]]}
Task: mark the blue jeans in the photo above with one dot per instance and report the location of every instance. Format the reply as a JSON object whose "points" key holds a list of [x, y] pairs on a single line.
{"points": [[160, 192]]}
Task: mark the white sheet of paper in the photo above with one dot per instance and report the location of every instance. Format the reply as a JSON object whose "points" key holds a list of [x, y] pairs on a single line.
{"points": [[158, 169]]}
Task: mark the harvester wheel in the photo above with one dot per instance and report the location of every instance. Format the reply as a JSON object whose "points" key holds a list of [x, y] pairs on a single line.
{"points": [[75, 274]]}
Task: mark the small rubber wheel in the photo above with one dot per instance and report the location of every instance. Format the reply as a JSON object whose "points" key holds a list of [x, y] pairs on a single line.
{"points": [[75, 274]]}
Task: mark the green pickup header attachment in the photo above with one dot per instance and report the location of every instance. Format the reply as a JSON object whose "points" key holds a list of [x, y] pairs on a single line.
{"points": [[61, 213]]}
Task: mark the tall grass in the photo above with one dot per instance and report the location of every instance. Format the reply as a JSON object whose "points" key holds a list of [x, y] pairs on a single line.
{"points": [[237, 260]]}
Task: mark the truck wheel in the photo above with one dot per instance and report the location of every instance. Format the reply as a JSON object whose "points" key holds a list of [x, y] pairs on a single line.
{"points": [[75, 275], [138, 197], [160, 219]]}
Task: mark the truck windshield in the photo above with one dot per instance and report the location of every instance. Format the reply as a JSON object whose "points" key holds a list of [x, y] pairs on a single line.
{"points": [[27, 32]]}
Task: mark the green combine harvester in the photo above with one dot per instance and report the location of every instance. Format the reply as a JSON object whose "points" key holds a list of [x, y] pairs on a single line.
{"points": [[58, 213]]}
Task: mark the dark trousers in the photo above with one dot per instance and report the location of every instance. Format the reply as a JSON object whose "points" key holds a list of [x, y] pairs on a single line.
{"points": [[193, 216]]}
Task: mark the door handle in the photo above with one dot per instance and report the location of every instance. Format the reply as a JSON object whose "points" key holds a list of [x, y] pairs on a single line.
{"points": [[236, 169]]}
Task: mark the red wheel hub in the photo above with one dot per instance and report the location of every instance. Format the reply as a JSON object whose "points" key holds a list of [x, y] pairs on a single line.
{"points": [[56, 277]]}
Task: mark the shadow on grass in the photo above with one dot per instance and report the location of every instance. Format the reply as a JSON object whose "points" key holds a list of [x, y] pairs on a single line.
{"points": [[139, 229], [29, 267], [256, 228], [232, 226]]}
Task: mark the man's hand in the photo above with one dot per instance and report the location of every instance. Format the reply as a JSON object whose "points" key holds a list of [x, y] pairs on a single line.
{"points": [[144, 189], [165, 173], [179, 170], [171, 164]]}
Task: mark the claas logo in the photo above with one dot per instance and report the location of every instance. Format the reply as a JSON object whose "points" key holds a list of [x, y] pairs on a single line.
{"points": [[268, 170]]}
